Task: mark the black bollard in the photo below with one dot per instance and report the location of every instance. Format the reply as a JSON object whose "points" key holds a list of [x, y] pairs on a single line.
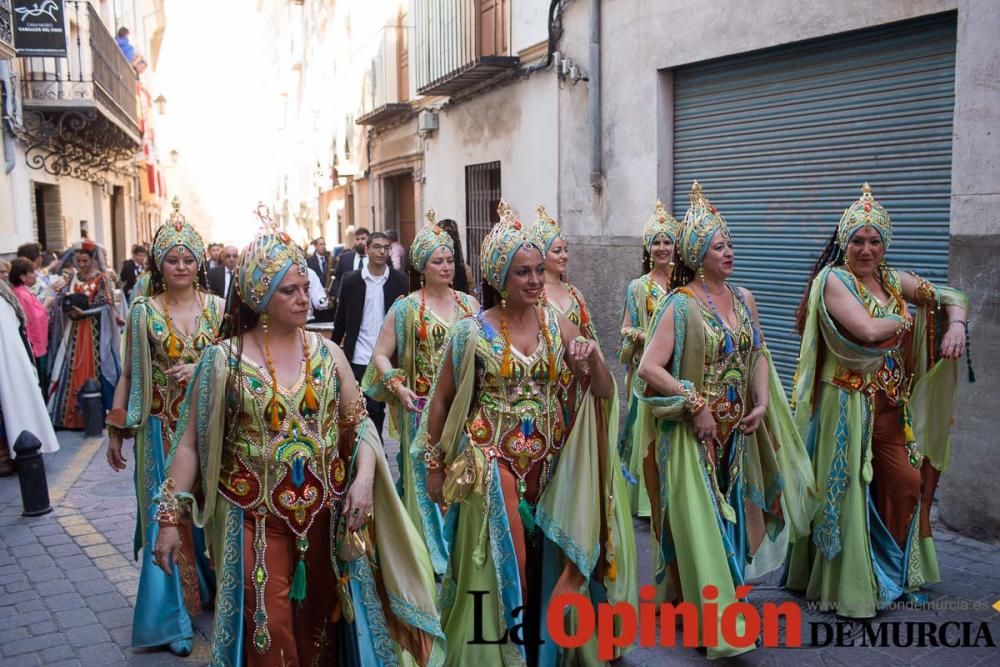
{"points": [[91, 401], [31, 475]]}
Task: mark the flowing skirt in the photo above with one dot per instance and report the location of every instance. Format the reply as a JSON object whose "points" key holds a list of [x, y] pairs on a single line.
{"points": [[165, 604], [871, 541], [78, 360]]}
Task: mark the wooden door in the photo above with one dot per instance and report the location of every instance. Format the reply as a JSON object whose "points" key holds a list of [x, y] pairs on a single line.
{"points": [[406, 209]]}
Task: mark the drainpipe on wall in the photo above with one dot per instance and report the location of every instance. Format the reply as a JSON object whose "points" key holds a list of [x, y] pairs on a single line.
{"points": [[594, 94], [7, 101]]}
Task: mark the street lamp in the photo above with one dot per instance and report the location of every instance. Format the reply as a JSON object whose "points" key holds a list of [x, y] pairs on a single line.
{"points": [[161, 104], [174, 155]]}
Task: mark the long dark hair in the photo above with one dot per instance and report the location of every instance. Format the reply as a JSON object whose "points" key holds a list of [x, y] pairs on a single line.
{"points": [[491, 297], [238, 320], [461, 281], [831, 255]]}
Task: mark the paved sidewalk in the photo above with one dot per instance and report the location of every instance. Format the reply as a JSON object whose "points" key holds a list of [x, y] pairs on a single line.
{"points": [[68, 583]]}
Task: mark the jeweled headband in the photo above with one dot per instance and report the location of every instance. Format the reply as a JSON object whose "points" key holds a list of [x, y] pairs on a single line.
{"points": [[264, 263], [427, 240], [177, 232], [545, 230], [660, 222], [500, 245], [866, 212], [701, 223]]}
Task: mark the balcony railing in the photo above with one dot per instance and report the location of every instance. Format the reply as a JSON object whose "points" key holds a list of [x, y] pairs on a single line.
{"points": [[93, 75], [384, 94], [460, 44]]}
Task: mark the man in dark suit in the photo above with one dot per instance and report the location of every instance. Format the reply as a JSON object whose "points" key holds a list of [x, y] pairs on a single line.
{"points": [[131, 268], [352, 260], [321, 262], [366, 297], [221, 277]]}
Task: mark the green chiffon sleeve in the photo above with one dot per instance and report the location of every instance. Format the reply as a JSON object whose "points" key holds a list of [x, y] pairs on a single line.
{"points": [[140, 360], [935, 386]]}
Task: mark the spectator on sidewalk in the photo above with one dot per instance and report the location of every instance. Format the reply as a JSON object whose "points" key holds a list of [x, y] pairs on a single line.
{"points": [[221, 277], [368, 294], [20, 410], [36, 314], [321, 263], [397, 253], [352, 260], [131, 268]]}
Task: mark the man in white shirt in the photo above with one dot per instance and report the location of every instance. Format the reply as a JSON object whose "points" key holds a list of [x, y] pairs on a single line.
{"points": [[365, 298]]}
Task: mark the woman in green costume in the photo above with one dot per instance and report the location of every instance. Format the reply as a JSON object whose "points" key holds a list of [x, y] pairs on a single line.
{"points": [[642, 298], [316, 560], [728, 472], [560, 293], [874, 398], [167, 333], [405, 361], [531, 474]]}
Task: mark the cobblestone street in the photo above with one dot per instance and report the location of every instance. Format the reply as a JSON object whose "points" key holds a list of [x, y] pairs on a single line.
{"points": [[69, 583]]}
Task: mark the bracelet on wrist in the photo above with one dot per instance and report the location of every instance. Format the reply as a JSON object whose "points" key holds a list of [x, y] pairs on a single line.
{"points": [[169, 507], [393, 379], [433, 458]]}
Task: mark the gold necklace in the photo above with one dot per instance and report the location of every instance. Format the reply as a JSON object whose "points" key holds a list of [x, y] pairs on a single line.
{"points": [[310, 403], [175, 342]]}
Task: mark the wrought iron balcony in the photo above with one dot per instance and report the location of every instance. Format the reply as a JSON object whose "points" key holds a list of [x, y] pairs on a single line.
{"points": [[460, 44], [80, 112], [95, 75]]}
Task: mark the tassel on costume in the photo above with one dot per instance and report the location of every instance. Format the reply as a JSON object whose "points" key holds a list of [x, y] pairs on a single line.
{"points": [[298, 590], [174, 347], [272, 414], [309, 400], [527, 513]]}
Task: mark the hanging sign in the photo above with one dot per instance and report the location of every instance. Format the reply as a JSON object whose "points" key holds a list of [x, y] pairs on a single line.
{"points": [[39, 28]]}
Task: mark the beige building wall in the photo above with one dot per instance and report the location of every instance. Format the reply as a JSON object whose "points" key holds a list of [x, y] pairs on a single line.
{"points": [[515, 124]]}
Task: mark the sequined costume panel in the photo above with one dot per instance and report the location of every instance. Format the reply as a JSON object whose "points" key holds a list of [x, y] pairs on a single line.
{"points": [[522, 420]]}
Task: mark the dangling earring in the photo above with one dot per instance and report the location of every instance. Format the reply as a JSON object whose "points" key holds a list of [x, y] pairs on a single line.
{"points": [[422, 332], [505, 365], [650, 262]]}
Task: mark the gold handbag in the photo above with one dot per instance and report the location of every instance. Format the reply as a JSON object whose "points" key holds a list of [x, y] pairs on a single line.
{"points": [[351, 545], [461, 476]]}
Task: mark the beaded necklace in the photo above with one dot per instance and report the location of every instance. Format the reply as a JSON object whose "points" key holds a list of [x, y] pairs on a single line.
{"points": [[423, 311], [726, 332], [310, 403], [175, 342]]}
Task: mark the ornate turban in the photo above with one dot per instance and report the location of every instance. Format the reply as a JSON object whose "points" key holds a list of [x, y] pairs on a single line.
{"points": [[264, 263], [177, 232], [500, 245], [700, 224], [660, 222], [865, 212], [427, 240], [545, 230]]}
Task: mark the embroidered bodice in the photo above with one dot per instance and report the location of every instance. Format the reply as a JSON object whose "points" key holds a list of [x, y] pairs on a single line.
{"points": [[97, 289], [428, 352], [298, 470], [890, 377], [522, 419], [727, 362], [168, 394]]}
